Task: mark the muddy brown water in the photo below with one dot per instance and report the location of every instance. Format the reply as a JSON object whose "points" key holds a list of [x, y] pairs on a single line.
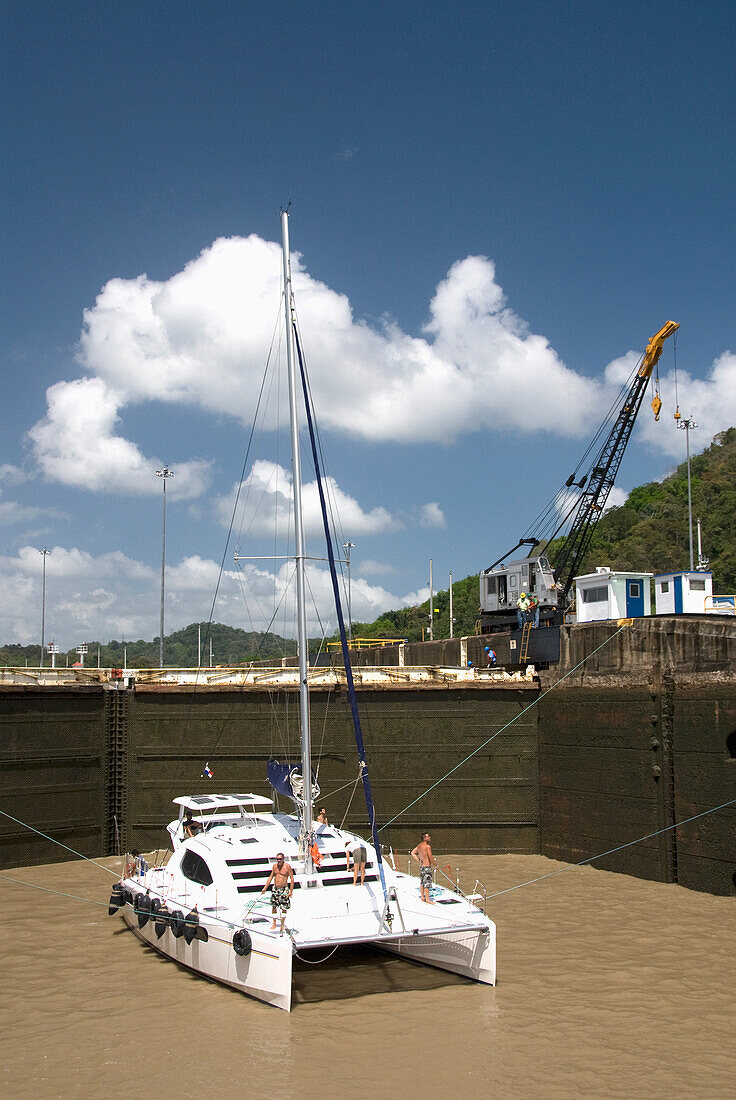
{"points": [[608, 987]]}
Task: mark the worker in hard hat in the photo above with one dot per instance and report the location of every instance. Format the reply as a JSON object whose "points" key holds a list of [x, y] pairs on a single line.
{"points": [[527, 610]]}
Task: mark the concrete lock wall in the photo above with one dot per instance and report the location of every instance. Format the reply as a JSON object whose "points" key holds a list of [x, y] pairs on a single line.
{"points": [[639, 737], [53, 772], [412, 736]]}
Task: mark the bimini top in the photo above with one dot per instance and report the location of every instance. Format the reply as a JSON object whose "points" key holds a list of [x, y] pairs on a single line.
{"points": [[220, 801]]}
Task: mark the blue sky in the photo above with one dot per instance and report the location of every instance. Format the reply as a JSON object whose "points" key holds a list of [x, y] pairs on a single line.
{"points": [[492, 205]]}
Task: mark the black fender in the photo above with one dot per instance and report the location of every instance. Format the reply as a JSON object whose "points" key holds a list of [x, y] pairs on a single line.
{"points": [[142, 907], [117, 898], [161, 918], [176, 920], [191, 924], [242, 942]]}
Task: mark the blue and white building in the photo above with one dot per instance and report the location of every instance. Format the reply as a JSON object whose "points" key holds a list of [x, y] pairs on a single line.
{"points": [[606, 594], [682, 593]]}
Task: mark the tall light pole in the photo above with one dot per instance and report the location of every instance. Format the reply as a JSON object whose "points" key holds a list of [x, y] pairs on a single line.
{"points": [[431, 601], [164, 475], [45, 553], [347, 547], [451, 618], [687, 423]]}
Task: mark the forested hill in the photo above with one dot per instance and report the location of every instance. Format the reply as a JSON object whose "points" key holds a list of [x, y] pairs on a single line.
{"points": [[230, 646], [648, 532]]}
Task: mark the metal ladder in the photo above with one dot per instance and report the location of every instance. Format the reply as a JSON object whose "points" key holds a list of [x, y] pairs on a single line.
{"points": [[524, 650]]}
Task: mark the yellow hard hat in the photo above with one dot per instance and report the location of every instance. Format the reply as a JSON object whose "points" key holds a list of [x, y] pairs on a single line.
{"points": [[523, 593]]}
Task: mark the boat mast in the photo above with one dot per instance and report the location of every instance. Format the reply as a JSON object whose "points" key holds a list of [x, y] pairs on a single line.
{"points": [[307, 798]]}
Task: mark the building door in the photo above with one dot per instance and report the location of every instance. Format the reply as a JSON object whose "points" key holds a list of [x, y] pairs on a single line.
{"points": [[677, 583], [634, 599]]}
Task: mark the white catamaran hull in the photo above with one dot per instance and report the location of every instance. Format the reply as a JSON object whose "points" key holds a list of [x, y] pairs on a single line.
{"points": [[451, 934], [264, 974], [469, 954]]}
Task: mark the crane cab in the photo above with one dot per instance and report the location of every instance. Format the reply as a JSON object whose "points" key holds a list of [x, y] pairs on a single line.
{"points": [[501, 586]]}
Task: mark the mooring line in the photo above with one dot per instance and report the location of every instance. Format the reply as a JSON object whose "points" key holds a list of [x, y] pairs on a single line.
{"points": [[48, 890], [620, 847], [61, 845], [509, 723]]}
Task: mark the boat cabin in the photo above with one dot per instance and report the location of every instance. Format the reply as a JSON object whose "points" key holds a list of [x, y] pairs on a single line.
{"points": [[682, 593], [609, 594]]}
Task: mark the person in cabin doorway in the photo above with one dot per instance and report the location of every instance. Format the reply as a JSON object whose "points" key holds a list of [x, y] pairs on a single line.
{"points": [[191, 827], [358, 851], [423, 855], [282, 877]]}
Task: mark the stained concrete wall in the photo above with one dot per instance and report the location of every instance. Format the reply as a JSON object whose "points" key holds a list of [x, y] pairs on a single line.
{"points": [[638, 736], [413, 736], [634, 732], [53, 763]]}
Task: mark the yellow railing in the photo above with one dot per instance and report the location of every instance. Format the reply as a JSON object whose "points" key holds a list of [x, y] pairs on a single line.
{"points": [[720, 605], [367, 643]]}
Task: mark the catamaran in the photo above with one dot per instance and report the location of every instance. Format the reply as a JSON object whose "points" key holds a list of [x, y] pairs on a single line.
{"points": [[206, 908]]}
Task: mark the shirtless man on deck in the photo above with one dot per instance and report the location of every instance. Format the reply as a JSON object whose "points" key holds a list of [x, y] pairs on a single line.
{"points": [[282, 877], [423, 855]]}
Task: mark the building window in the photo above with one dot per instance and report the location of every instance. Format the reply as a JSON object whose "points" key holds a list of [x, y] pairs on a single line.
{"points": [[665, 586], [635, 590], [595, 595], [697, 586]]}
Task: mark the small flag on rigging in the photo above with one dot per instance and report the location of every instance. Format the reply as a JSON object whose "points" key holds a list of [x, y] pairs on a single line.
{"points": [[207, 773]]}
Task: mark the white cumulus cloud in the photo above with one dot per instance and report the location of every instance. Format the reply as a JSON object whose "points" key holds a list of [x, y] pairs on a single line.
{"points": [[76, 444], [431, 515], [265, 505], [201, 339], [114, 596], [710, 401]]}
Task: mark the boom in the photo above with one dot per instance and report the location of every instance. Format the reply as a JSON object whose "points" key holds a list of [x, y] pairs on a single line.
{"points": [[595, 493]]}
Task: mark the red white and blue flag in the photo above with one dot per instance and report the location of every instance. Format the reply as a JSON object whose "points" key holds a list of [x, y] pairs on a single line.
{"points": [[208, 773]]}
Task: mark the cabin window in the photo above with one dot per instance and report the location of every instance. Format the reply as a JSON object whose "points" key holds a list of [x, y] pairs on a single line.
{"points": [[595, 595], [195, 869], [635, 590], [665, 586], [491, 585], [697, 586], [514, 580]]}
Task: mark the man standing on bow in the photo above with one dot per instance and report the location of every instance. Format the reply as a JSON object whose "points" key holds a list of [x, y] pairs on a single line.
{"points": [[282, 876], [423, 855]]}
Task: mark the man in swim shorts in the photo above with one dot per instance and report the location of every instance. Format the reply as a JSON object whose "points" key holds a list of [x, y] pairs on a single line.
{"points": [[282, 877], [423, 855], [358, 851]]}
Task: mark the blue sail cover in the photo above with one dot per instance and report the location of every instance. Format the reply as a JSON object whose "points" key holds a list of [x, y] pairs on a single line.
{"points": [[279, 776]]}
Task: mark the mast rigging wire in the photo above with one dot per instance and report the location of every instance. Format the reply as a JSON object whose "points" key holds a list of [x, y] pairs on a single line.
{"points": [[504, 727], [619, 848]]}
